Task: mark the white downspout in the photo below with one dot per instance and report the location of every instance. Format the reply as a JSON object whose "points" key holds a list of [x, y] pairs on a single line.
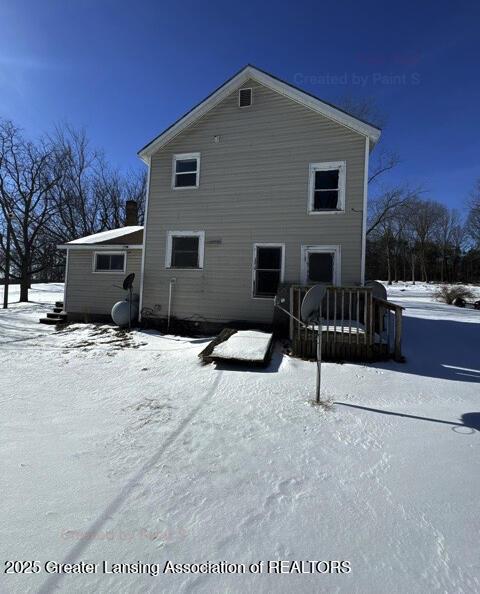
{"points": [[170, 286], [145, 218], [365, 212], [65, 282]]}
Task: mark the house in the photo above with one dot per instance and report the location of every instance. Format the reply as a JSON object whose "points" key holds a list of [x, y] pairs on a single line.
{"points": [[260, 184]]}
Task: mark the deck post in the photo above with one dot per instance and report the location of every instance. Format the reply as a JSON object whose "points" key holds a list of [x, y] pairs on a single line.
{"points": [[291, 310], [398, 334]]}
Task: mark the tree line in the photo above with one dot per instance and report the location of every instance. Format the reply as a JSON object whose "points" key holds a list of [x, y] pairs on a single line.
{"points": [[410, 238], [53, 190]]}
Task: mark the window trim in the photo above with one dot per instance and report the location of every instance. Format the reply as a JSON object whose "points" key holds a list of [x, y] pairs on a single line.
{"points": [[251, 97], [185, 157], [342, 176], [322, 249], [109, 253], [282, 269], [201, 249]]}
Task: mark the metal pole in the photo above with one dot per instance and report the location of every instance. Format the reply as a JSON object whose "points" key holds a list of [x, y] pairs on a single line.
{"points": [[7, 265], [319, 344], [172, 282], [319, 355], [130, 308]]}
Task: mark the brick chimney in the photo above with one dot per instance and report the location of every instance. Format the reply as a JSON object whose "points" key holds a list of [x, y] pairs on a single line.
{"points": [[131, 213]]}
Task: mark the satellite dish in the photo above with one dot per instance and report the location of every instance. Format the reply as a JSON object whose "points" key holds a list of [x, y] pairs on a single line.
{"points": [[378, 290], [311, 303], [128, 282]]}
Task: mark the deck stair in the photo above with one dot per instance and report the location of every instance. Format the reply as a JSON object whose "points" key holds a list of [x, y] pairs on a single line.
{"points": [[57, 316]]}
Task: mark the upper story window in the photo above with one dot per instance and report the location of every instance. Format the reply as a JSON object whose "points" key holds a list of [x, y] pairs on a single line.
{"points": [[186, 170], [185, 249], [326, 187], [268, 267], [113, 262], [245, 97]]}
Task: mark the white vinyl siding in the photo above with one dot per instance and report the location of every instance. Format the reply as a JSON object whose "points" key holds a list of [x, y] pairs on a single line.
{"points": [[253, 189], [88, 292]]}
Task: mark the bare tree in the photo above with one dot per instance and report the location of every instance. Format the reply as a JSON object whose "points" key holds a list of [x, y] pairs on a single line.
{"points": [[135, 188], [364, 108], [424, 218], [388, 197], [28, 175], [448, 225], [473, 219], [76, 206], [389, 204], [385, 161], [91, 196]]}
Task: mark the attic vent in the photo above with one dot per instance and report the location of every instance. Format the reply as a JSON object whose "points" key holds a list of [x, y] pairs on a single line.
{"points": [[244, 97]]}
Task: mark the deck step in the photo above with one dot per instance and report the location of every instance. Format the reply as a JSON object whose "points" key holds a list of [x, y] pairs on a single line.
{"points": [[58, 309], [52, 321], [54, 315], [59, 304]]}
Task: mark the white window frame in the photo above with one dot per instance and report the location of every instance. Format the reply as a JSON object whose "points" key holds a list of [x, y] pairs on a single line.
{"points": [[251, 97], [109, 253], [342, 176], [185, 157], [322, 249], [254, 269], [201, 248]]}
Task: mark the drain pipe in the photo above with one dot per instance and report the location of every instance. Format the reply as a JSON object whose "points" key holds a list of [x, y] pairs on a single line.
{"points": [[170, 286]]}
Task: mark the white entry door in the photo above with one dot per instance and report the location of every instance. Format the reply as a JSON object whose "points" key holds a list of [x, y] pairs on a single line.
{"points": [[321, 264]]}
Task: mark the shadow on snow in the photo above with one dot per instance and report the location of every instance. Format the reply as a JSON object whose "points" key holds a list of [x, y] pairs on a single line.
{"points": [[443, 349], [468, 420]]}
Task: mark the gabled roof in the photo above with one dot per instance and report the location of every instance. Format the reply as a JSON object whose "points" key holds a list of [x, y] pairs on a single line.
{"points": [[251, 72], [127, 235]]}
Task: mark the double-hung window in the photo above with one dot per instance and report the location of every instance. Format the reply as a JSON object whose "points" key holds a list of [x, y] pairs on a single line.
{"points": [[185, 249], [113, 262], [268, 268], [186, 171], [326, 187]]}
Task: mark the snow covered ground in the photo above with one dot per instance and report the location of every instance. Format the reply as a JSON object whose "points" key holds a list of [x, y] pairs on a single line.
{"points": [[126, 448]]}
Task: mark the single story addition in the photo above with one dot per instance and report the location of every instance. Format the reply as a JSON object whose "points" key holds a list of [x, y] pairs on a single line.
{"points": [[95, 268]]}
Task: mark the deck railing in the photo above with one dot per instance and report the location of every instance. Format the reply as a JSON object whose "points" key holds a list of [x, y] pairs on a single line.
{"points": [[356, 325]]}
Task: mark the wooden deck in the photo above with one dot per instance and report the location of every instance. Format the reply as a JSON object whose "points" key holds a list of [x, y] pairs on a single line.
{"points": [[356, 326]]}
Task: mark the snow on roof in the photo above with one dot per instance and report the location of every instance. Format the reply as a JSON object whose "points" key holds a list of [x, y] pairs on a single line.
{"points": [[105, 235]]}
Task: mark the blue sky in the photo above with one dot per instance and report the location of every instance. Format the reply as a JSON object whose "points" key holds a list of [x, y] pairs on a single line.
{"points": [[126, 70]]}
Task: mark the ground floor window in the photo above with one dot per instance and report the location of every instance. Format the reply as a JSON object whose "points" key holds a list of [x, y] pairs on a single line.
{"points": [[321, 264], [185, 249], [268, 268], [109, 262]]}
